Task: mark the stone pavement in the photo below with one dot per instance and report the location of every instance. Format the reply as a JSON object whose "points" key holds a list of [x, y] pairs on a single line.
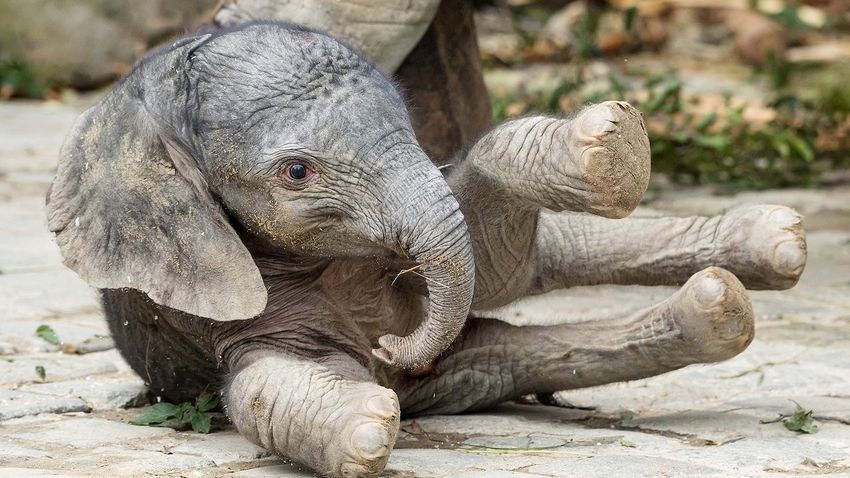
{"points": [[699, 421]]}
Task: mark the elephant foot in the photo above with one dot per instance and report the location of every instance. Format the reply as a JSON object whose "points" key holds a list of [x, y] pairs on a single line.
{"points": [[614, 159], [714, 315], [314, 415], [368, 436], [766, 246]]}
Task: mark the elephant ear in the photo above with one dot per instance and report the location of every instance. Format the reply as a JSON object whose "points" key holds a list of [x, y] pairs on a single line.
{"points": [[131, 209]]}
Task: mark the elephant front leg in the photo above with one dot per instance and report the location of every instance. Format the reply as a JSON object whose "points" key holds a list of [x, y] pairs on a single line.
{"points": [[710, 319], [326, 419], [596, 162]]}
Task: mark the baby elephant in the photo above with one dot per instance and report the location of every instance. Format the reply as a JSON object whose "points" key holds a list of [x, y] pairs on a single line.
{"points": [[261, 220]]}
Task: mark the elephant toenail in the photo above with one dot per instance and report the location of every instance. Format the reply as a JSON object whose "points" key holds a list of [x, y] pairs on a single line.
{"points": [[370, 439], [709, 290], [789, 258], [783, 216], [597, 119], [381, 405]]}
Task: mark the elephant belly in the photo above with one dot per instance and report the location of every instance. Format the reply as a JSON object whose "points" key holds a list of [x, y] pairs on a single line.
{"points": [[175, 364]]}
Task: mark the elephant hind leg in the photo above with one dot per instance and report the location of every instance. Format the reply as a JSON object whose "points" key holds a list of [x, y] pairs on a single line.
{"points": [[763, 245], [596, 162], [612, 150], [709, 319]]}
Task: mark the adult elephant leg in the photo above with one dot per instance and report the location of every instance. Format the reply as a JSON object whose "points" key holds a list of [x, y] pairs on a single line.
{"points": [[443, 80], [383, 31], [764, 246], [432, 49], [328, 416], [710, 319]]}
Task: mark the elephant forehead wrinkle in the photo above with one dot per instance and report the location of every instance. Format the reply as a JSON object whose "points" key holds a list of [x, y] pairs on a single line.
{"points": [[284, 66], [387, 141]]}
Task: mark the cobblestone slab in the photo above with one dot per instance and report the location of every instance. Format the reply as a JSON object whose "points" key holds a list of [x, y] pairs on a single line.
{"points": [[16, 404], [221, 449], [11, 451], [45, 294], [76, 333], [99, 392], [85, 432], [25, 243], [17, 370]]}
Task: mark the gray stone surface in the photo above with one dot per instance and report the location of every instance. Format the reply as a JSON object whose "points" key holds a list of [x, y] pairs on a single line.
{"points": [[272, 471], [11, 451], [19, 369], [15, 404], [221, 448], [85, 432], [708, 420], [101, 392]]}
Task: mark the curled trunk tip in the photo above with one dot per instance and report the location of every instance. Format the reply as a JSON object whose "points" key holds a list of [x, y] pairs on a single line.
{"points": [[450, 278]]}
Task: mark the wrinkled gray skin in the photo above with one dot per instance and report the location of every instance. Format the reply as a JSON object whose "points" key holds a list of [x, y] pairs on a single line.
{"points": [[219, 273]]}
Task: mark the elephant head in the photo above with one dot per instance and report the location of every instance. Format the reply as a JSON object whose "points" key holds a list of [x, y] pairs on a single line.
{"points": [[271, 130]]}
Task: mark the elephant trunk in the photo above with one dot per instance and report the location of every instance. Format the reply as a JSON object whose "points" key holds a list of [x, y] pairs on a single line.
{"points": [[430, 229]]}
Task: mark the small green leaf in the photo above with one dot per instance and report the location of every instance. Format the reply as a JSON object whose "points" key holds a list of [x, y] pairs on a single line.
{"points": [[706, 122], [206, 402], [184, 414], [626, 415], [46, 332], [801, 421], [180, 416], [157, 415], [201, 422], [715, 142], [780, 145], [802, 148], [42, 374]]}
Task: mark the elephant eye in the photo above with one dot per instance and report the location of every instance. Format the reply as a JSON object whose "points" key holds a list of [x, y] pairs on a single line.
{"points": [[297, 172]]}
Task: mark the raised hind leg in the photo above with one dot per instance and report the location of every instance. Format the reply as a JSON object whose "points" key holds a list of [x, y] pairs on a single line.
{"points": [[764, 246], [523, 184], [710, 319]]}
